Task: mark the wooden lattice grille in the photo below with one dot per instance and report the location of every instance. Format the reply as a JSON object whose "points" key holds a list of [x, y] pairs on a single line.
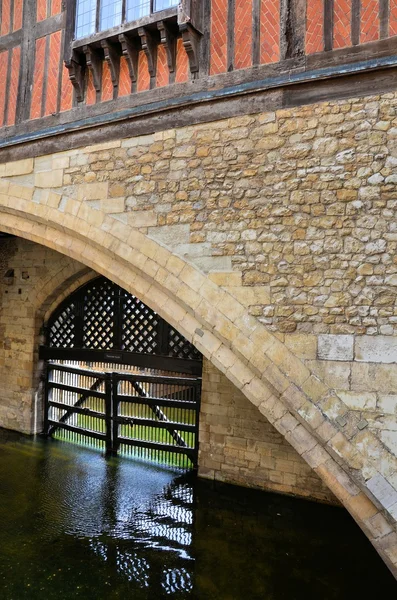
{"points": [[102, 316]]}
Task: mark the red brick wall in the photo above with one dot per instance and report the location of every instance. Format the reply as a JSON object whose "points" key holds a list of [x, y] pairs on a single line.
{"points": [[3, 77], [342, 23], [369, 20], [41, 10], [13, 91], [38, 78], [218, 36], [143, 83], [393, 18], [243, 34], [125, 80], [162, 78], [107, 85], [5, 17], [53, 73], [66, 91], [315, 26], [270, 31], [182, 64], [18, 14]]}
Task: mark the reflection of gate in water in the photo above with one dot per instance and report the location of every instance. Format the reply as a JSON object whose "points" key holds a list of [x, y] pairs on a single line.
{"points": [[121, 378]]}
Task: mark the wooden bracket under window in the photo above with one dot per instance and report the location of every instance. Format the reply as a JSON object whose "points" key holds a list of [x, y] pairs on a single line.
{"points": [[94, 63], [76, 75], [149, 46], [112, 57], [168, 40], [191, 41], [130, 50]]}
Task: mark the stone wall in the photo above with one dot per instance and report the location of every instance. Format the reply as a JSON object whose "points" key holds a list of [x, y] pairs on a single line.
{"points": [[240, 446], [31, 278], [300, 204]]}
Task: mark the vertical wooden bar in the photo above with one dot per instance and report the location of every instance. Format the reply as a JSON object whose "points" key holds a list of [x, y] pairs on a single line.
{"points": [[384, 11], [356, 19], [230, 34], [256, 32], [328, 24]]}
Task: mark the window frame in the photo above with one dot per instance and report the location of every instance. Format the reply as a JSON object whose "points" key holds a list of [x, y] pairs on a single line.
{"points": [[153, 17]]}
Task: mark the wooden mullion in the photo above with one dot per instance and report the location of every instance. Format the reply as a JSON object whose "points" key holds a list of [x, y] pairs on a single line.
{"points": [[12, 10], [256, 32], [328, 25], [231, 14], [384, 13], [151, 7], [124, 11], [97, 15], [355, 21]]}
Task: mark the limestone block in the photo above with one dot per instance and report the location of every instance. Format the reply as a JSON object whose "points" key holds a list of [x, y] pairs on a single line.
{"points": [[18, 167], [142, 218], [382, 490], [92, 191], [358, 400], [380, 349], [387, 403], [335, 347], [113, 205], [49, 179], [304, 346], [389, 438]]}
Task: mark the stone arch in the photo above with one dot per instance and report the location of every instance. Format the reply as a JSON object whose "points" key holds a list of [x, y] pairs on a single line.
{"points": [[294, 401]]}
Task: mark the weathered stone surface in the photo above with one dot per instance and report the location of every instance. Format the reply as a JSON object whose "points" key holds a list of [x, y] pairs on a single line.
{"points": [[335, 347], [377, 349]]}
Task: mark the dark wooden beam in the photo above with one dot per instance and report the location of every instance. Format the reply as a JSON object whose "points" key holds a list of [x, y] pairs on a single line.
{"points": [[328, 25], [191, 42], [292, 28], [356, 21], [149, 46], [112, 57], [28, 57], [10, 40], [168, 40], [51, 25], [231, 13], [94, 64], [130, 50], [256, 32], [384, 12], [205, 42], [76, 70]]}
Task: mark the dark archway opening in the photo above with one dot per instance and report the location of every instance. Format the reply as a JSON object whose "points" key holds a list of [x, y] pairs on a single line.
{"points": [[120, 378]]}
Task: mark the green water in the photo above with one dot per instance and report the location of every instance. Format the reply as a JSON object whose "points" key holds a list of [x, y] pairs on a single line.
{"points": [[76, 525]]}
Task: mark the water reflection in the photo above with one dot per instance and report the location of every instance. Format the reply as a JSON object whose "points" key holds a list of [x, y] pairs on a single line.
{"points": [[75, 525]]}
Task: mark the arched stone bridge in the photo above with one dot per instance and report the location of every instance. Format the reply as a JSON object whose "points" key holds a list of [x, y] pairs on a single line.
{"points": [[100, 206]]}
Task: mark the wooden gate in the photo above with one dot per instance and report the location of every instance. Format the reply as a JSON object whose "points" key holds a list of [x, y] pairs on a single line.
{"points": [[120, 378]]}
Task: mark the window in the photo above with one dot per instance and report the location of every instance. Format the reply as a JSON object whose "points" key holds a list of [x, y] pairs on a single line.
{"points": [[99, 15]]}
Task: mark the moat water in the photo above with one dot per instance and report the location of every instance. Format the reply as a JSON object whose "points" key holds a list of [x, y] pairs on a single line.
{"points": [[74, 524]]}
